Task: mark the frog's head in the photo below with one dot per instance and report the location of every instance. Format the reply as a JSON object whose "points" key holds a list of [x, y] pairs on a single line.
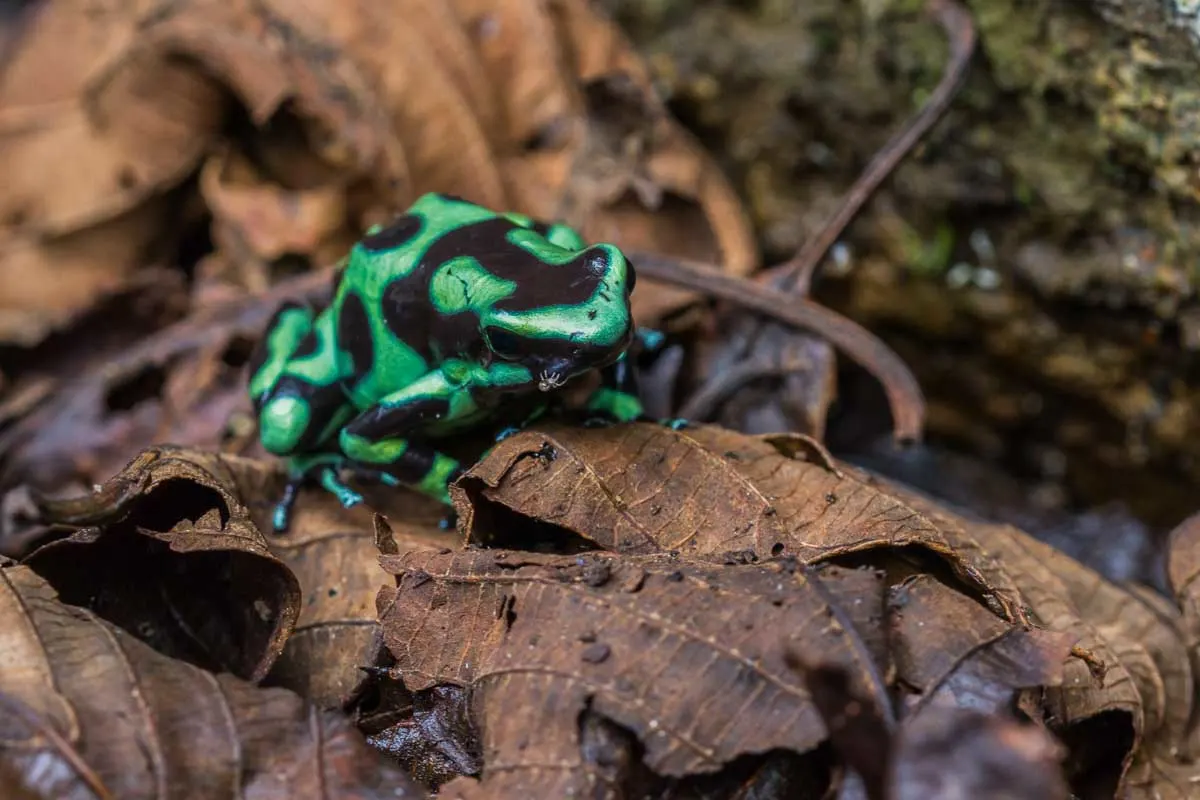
{"points": [[572, 318]]}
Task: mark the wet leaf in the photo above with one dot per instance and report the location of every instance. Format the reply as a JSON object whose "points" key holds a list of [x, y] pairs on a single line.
{"points": [[167, 551], [90, 711], [688, 656], [706, 492], [436, 741]]}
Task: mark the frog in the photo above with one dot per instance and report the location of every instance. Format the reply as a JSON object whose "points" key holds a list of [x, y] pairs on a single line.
{"points": [[441, 321]]}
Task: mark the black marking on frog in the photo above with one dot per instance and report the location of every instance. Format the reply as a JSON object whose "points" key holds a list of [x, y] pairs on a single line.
{"points": [[399, 232]]}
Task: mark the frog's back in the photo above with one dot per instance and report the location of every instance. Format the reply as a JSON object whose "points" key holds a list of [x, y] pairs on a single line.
{"points": [[385, 320]]}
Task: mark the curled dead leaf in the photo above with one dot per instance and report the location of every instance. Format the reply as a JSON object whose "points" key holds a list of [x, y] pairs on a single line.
{"points": [[89, 710], [1127, 712], [167, 550], [259, 219], [334, 554]]}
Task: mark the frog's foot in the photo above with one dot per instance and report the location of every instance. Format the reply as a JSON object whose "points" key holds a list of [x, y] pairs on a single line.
{"points": [[322, 469], [281, 517], [450, 521], [674, 423], [650, 339], [332, 483], [507, 432]]}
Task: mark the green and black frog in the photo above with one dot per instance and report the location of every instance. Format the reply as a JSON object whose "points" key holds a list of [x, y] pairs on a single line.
{"points": [[438, 323]]}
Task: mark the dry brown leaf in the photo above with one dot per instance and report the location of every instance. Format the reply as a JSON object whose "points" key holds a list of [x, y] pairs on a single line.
{"points": [[690, 657], [1183, 570], [44, 283], [706, 492], [82, 434], [1149, 669], [91, 126], [90, 711], [1127, 701], [94, 118], [257, 220], [480, 99], [167, 550], [133, 107]]}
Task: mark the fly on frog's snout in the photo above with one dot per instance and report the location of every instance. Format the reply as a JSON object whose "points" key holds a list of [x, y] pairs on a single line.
{"points": [[552, 374]]}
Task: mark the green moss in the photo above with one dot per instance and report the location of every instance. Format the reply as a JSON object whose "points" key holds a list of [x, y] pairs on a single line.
{"points": [[928, 257]]}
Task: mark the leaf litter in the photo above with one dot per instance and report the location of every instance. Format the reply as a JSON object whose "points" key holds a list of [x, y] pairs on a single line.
{"points": [[629, 611]]}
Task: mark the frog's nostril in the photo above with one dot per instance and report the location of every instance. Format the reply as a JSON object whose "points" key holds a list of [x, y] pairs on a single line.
{"points": [[597, 261]]}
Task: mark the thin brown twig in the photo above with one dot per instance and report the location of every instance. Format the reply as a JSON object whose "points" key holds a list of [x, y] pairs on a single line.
{"points": [[703, 403], [58, 743], [903, 392], [796, 274], [798, 271]]}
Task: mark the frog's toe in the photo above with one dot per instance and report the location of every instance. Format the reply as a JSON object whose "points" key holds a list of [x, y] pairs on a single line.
{"points": [[507, 432], [675, 423], [334, 485], [449, 522], [650, 339], [281, 517]]}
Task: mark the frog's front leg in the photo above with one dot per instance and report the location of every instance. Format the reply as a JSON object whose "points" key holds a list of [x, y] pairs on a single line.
{"points": [[617, 399]]}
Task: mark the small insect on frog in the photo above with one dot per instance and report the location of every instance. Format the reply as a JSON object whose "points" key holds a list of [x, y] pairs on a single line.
{"points": [[438, 321]]}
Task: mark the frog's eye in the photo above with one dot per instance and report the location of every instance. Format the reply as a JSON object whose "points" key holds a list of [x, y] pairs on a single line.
{"points": [[504, 344]]}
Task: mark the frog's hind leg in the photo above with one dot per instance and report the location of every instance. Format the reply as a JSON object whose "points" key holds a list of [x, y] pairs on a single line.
{"points": [[295, 386], [403, 462], [296, 381], [385, 438]]}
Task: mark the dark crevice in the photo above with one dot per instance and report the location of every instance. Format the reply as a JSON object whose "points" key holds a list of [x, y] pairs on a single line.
{"points": [[145, 384]]}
